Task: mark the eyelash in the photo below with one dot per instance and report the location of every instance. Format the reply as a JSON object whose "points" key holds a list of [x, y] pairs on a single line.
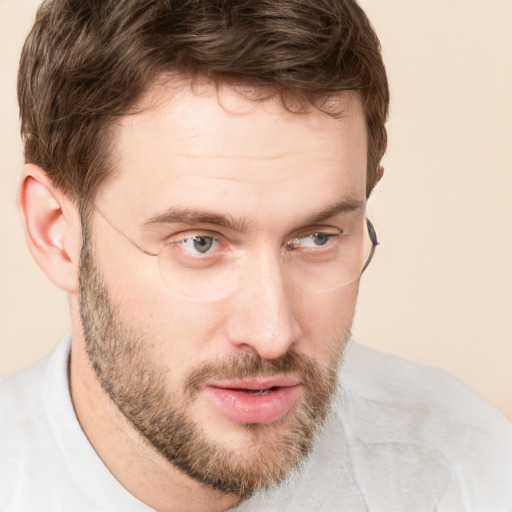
{"points": [[290, 245], [196, 238], [311, 236]]}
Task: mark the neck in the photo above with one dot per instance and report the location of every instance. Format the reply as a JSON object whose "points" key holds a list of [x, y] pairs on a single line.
{"points": [[135, 464]]}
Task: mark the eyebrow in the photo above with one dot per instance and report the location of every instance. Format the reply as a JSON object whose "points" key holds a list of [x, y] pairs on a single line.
{"points": [[194, 216], [345, 205]]}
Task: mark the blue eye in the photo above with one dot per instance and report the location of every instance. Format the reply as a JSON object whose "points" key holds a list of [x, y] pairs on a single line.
{"points": [[198, 244], [311, 241], [320, 238]]}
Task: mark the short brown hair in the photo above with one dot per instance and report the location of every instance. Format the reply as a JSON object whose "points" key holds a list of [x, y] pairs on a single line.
{"points": [[86, 62]]}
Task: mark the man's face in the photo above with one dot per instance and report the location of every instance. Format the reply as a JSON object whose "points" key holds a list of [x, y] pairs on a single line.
{"points": [[227, 377]]}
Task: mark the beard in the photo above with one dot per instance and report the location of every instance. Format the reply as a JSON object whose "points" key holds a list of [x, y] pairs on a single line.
{"points": [[135, 380]]}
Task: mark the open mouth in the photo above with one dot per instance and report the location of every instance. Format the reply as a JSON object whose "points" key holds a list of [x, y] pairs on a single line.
{"points": [[254, 402], [265, 391]]}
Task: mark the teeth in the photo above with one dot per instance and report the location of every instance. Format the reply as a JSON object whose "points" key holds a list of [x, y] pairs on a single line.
{"points": [[257, 391]]}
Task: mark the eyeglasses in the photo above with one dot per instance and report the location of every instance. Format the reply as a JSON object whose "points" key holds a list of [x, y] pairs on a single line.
{"points": [[205, 267]]}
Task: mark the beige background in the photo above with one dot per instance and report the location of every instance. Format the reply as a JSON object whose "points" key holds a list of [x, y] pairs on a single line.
{"points": [[440, 289]]}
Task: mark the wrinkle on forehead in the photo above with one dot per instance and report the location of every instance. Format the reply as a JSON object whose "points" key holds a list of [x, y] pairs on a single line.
{"points": [[277, 179], [296, 153], [195, 119], [186, 143]]}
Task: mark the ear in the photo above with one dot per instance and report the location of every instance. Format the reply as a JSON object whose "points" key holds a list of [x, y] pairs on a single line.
{"points": [[52, 227]]}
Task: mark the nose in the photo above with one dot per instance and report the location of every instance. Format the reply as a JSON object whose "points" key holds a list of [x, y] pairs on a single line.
{"points": [[262, 316]]}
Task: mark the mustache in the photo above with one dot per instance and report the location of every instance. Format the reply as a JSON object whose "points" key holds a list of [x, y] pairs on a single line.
{"points": [[311, 373]]}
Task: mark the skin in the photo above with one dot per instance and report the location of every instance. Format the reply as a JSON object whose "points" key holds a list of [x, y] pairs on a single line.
{"points": [[267, 169]]}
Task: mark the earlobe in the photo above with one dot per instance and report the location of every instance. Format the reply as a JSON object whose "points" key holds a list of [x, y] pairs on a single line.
{"points": [[52, 227]]}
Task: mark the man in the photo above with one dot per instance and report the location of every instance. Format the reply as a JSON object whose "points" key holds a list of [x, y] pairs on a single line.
{"points": [[196, 181]]}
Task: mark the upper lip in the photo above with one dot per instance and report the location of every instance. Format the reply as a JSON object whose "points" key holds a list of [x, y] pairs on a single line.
{"points": [[278, 381]]}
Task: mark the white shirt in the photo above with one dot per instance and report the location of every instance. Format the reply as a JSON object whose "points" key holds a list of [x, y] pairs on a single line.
{"points": [[400, 437]]}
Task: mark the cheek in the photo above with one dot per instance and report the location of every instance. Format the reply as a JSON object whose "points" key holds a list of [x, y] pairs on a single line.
{"points": [[326, 319], [175, 328]]}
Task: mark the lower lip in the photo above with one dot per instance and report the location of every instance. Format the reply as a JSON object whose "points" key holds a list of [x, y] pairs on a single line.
{"points": [[253, 408]]}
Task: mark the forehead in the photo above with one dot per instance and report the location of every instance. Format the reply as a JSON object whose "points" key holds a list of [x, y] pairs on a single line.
{"points": [[205, 144]]}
